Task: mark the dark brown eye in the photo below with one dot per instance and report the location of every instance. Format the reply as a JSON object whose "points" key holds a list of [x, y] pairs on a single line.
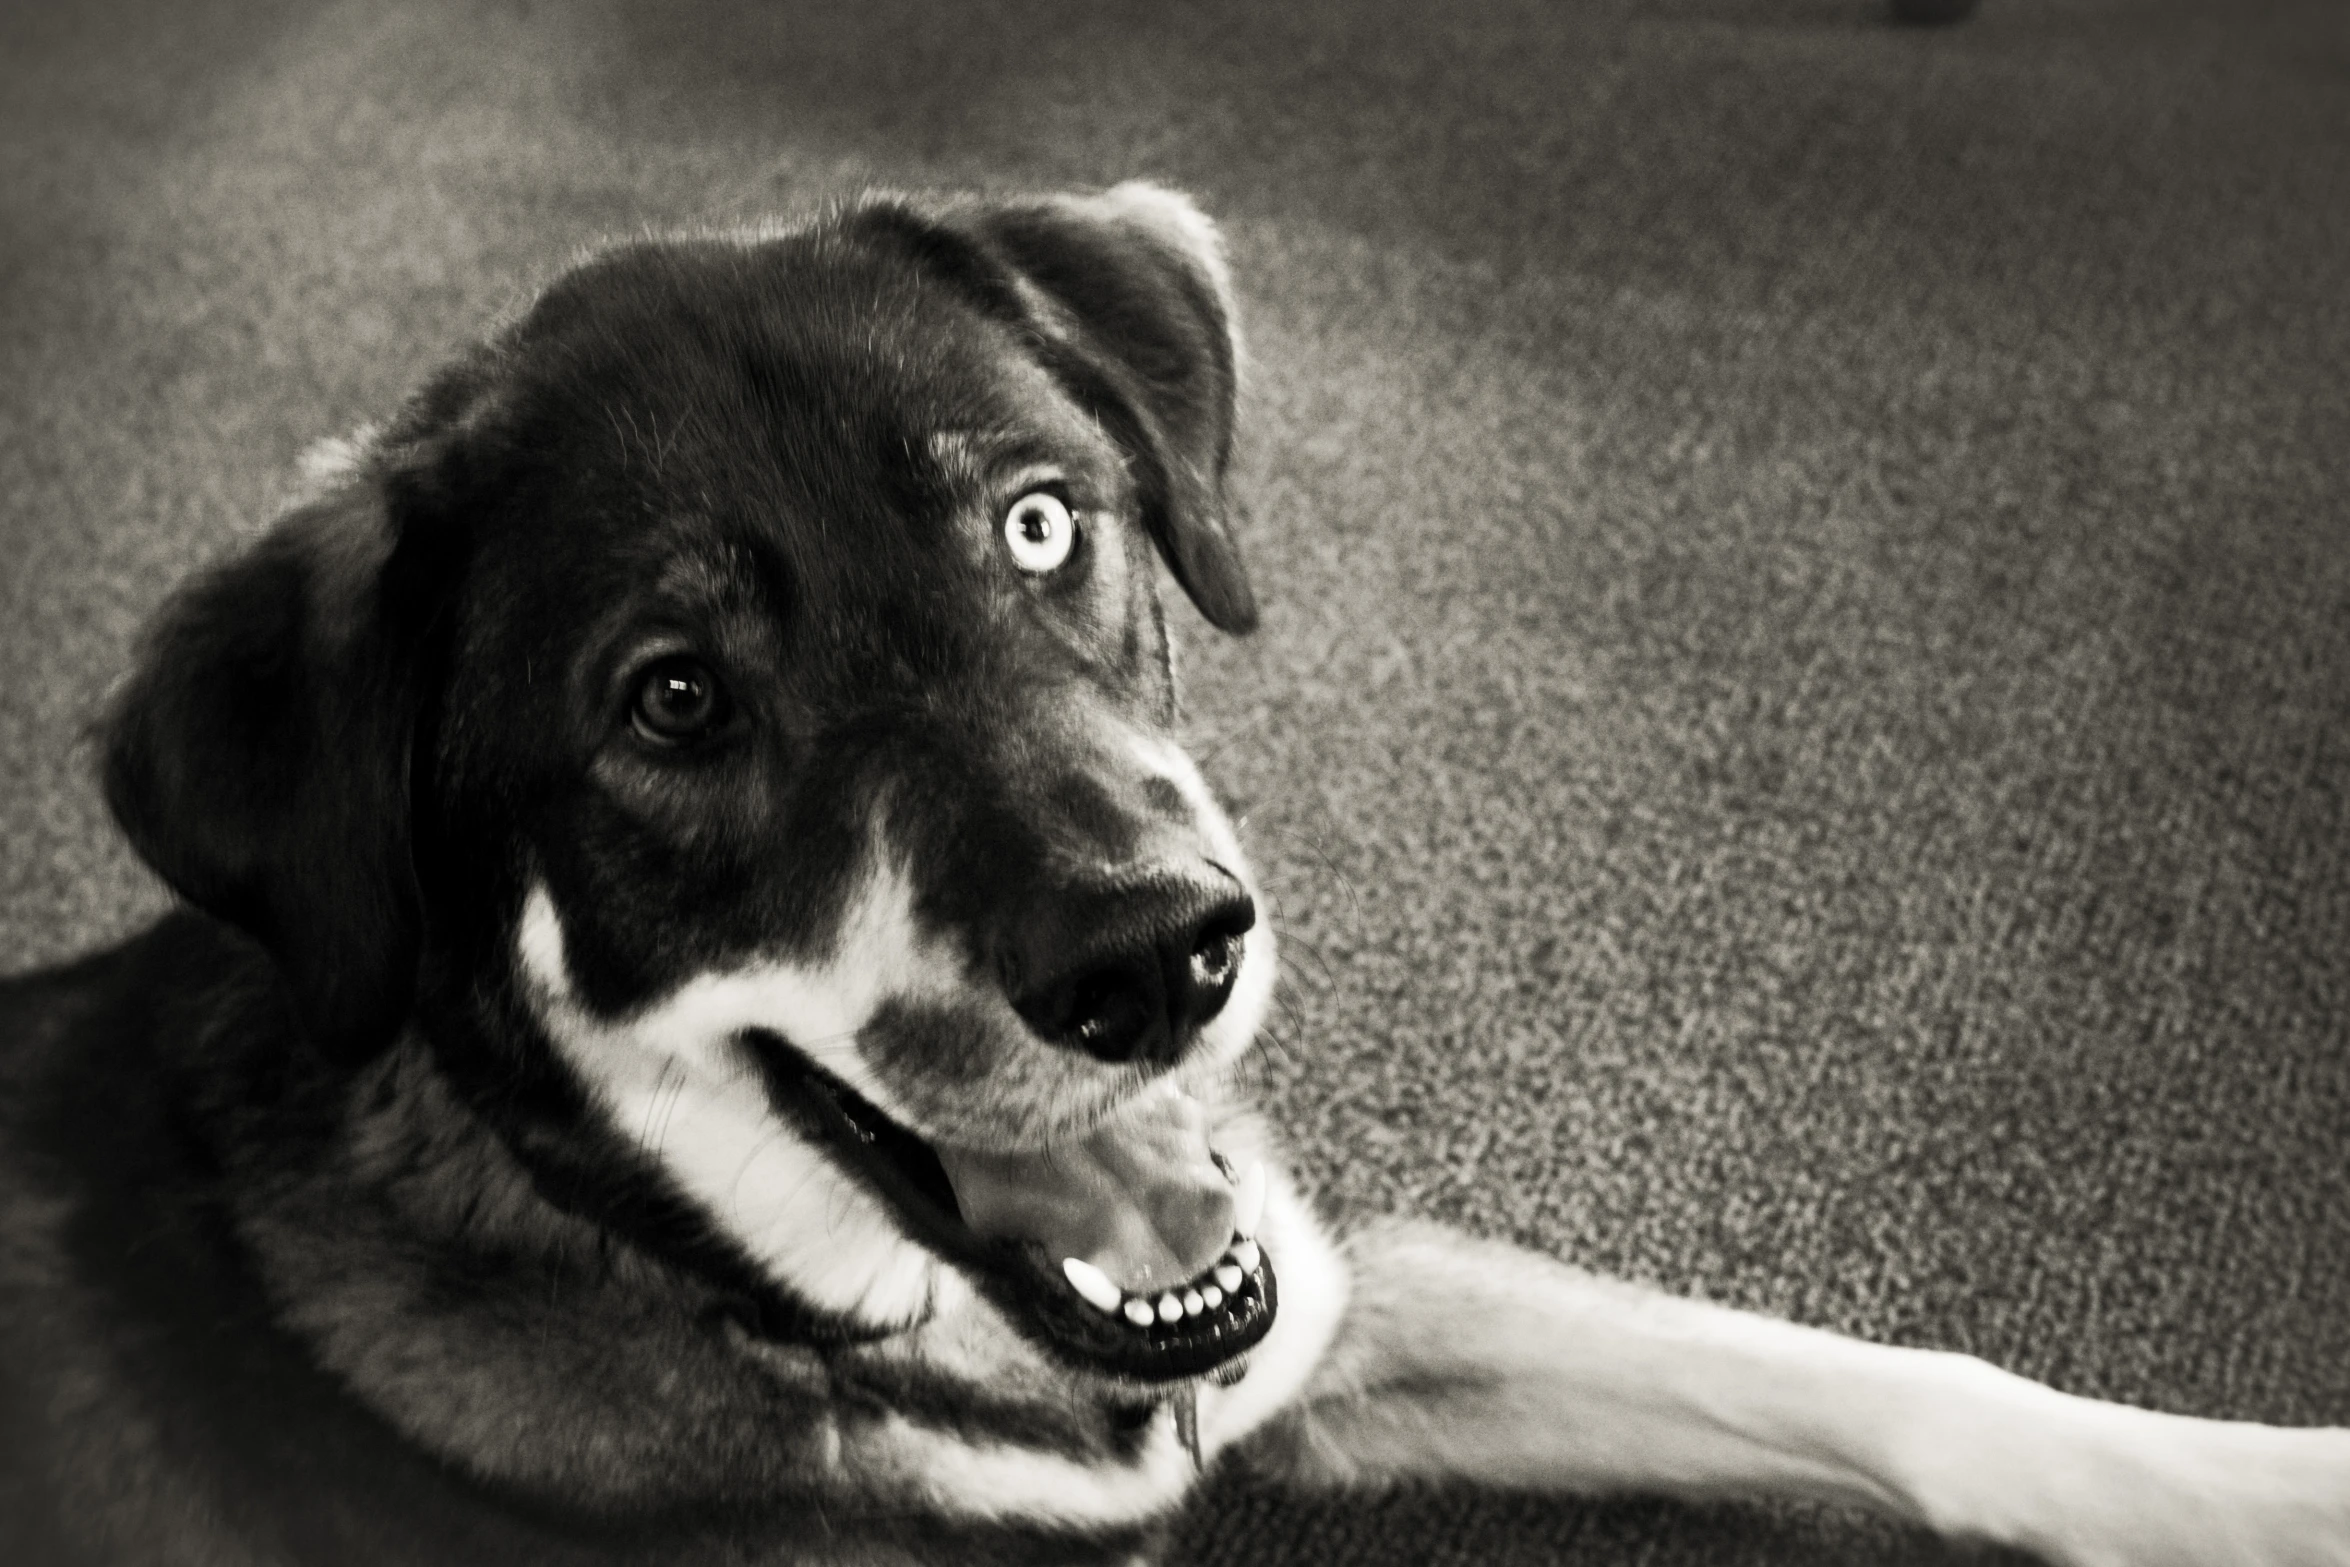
{"points": [[679, 701]]}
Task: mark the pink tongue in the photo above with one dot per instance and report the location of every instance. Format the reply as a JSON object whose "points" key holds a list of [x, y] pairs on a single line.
{"points": [[1140, 1199]]}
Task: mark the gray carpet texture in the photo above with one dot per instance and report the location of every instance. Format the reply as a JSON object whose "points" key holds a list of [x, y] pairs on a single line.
{"points": [[1801, 734]]}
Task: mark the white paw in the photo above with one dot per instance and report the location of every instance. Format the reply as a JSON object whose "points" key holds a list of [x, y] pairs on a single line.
{"points": [[2125, 1488]]}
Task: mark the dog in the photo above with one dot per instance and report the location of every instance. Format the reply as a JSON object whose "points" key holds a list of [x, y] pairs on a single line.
{"points": [[703, 1022]]}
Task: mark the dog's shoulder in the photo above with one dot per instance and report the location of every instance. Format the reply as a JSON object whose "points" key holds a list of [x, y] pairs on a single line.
{"points": [[125, 1307], [89, 1049], [150, 1099]]}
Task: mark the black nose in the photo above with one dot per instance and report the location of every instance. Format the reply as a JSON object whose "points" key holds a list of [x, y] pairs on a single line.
{"points": [[1130, 972]]}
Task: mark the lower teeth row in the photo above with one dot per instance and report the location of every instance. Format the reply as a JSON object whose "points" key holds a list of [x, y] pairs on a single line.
{"points": [[1206, 1294]]}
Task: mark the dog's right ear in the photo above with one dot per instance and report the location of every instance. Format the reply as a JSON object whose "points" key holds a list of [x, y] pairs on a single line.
{"points": [[258, 758], [1131, 283]]}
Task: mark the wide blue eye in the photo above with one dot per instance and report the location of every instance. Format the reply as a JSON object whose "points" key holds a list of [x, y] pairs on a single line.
{"points": [[679, 700], [1041, 531]]}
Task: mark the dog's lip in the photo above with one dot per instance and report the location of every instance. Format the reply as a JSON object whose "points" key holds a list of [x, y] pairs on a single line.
{"points": [[1026, 1283]]}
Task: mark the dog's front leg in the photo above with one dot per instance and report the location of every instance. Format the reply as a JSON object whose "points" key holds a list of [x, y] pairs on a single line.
{"points": [[1480, 1362]]}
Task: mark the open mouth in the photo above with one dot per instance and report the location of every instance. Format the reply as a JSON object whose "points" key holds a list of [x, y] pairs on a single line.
{"points": [[1130, 1252]]}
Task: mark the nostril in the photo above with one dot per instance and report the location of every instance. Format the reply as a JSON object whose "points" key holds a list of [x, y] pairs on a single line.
{"points": [[1109, 1011], [1215, 957], [1213, 964]]}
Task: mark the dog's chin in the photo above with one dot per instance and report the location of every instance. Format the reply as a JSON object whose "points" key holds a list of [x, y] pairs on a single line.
{"points": [[1025, 1283]]}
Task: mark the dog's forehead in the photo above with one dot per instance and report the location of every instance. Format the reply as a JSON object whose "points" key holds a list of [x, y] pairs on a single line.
{"points": [[693, 420], [804, 365]]}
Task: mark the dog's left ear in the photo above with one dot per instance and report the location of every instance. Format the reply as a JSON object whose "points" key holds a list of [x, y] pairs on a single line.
{"points": [[258, 760], [1137, 292]]}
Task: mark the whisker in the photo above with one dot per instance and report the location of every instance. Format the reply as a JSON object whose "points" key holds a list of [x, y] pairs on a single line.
{"points": [[1319, 857], [1206, 745]]}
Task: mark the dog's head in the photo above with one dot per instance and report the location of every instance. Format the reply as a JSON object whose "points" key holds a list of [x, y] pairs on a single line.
{"points": [[729, 715]]}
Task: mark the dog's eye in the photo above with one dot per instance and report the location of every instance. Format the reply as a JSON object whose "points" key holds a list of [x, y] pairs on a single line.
{"points": [[679, 700], [1041, 531]]}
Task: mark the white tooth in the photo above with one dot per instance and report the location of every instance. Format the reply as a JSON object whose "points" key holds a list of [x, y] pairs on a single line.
{"points": [[1138, 1311], [1229, 1275], [1248, 1201], [1193, 1303], [1170, 1308], [1246, 1254], [1092, 1283], [1211, 1297]]}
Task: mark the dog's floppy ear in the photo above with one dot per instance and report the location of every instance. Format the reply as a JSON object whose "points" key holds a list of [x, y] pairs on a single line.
{"points": [[258, 759], [1138, 290]]}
